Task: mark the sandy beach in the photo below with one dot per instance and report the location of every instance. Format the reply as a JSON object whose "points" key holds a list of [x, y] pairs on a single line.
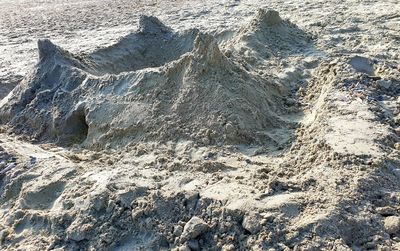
{"points": [[199, 125]]}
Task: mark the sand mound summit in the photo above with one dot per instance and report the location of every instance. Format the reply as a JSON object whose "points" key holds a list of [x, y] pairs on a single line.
{"points": [[153, 85], [267, 35]]}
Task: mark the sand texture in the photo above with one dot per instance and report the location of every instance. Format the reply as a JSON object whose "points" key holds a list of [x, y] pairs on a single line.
{"points": [[199, 125]]}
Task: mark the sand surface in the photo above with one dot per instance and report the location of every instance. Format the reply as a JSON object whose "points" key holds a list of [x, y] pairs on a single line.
{"points": [[199, 125]]}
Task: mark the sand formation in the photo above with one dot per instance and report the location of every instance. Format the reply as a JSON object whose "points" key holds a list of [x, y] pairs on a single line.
{"points": [[266, 36], [155, 84], [321, 117]]}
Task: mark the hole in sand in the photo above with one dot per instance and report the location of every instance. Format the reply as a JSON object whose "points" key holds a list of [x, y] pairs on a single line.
{"points": [[76, 128]]}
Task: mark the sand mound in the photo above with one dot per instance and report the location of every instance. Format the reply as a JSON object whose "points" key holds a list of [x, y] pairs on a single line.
{"points": [[155, 84], [268, 35]]}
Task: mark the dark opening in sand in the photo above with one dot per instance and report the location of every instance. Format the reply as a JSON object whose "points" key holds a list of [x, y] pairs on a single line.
{"points": [[76, 128]]}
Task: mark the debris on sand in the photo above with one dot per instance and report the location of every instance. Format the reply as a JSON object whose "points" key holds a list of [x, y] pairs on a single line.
{"points": [[362, 64], [193, 228]]}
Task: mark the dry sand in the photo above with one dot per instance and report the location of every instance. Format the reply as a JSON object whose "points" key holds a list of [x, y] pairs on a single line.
{"points": [[191, 125]]}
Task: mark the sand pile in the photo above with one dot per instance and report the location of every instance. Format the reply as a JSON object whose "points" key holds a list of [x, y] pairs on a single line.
{"points": [[155, 84], [268, 36]]}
